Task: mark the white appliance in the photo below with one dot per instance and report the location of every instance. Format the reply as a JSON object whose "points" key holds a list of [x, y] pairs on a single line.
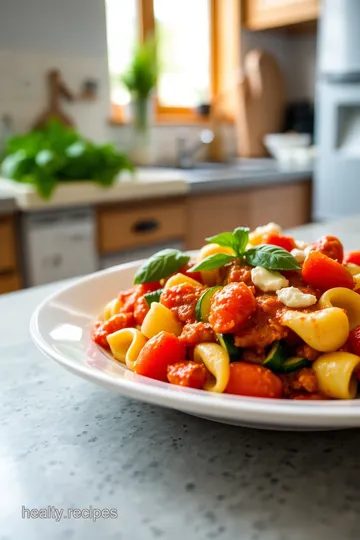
{"points": [[58, 245], [337, 171]]}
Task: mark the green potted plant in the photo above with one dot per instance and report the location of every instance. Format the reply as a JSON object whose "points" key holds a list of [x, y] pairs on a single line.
{"points": [[140, 79]]}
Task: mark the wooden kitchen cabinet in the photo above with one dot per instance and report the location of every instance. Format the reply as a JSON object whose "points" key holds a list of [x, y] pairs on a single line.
{"points": [[263, 14], [122, 227], [9, 273], [208, 214]]}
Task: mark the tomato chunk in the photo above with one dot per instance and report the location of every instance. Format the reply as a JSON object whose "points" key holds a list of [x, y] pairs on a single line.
{"points": [[325, 273], [115, 323], [194, 275], [354, 340], [286, 242], [329, 246], [188, 374], [231, 307], [157, 354], [253, 380], [352, 257]]}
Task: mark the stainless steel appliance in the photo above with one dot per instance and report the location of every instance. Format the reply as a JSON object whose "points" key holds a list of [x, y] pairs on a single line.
{"points": [[337, 173]]}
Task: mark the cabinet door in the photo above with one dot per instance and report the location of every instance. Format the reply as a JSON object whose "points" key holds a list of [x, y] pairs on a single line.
{"points": [[7, 244], [262, 14]]}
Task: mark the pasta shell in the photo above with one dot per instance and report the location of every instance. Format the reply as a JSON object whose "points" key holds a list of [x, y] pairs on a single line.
{"points": [[336, 374], [345, 299]]}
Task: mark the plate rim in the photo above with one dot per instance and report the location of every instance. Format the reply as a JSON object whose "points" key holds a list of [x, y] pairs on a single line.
{"points": [[216, 405]]}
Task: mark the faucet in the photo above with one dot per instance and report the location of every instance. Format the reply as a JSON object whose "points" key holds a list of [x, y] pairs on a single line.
{"points": [[186, 154]]}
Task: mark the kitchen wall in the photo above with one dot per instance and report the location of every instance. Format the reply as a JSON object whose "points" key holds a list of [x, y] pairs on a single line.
{"points": [[37, 35], [296, 55]]}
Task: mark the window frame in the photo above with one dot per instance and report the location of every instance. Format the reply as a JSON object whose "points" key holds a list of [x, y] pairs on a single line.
{"points": [[221, 12]]}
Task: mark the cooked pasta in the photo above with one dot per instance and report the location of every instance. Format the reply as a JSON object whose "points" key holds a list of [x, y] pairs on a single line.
{"points": [[345, 299], [325, 330], [217, 361], [126, 344], [222, 324], [336, 374], [160, 319]]}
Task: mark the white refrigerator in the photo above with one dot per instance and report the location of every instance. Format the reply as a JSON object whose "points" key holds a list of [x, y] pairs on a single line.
{"points": [[337, 171]]}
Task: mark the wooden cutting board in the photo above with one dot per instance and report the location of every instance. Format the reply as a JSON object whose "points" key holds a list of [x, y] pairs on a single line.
{"points": [[262, 103]]}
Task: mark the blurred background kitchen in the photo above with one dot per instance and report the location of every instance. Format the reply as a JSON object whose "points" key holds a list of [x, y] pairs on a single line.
{"points": [[129, 126]]}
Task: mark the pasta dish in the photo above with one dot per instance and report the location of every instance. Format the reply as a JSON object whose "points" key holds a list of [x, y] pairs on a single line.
{"points": [[257, 313]]}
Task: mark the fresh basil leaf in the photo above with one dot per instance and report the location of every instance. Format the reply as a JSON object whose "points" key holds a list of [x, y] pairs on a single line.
{"points": [[160, 265], [154, 296], [241, 235], [271, 257], [213, 262], [224, 239]]}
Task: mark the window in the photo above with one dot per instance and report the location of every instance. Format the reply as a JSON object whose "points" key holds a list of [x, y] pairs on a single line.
{"points": [[190, 41]]}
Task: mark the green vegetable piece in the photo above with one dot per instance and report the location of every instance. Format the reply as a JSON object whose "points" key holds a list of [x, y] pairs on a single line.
{"points": [[228, 343], [294, 363], [276, 357], [160, 265], [153, 296], [202, 308], [271, 257], [213, 262]]}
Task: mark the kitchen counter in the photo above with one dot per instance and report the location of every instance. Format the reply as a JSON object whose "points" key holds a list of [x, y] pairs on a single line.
{"points": [[246, 173], [67, 443], [159, 182]]}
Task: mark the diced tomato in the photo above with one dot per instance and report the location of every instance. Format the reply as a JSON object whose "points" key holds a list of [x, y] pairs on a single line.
{"points": [[253, 380], [157, 354], [128, 298], [231, 307], [194, 275], [115, 323], [141, 308], [286, 242], [329, 246], [352, 257], [354, 340], [325, 273], [190, 374]]}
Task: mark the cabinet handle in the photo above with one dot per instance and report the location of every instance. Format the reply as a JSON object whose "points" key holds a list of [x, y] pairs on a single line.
{"points": [[145, 226]]}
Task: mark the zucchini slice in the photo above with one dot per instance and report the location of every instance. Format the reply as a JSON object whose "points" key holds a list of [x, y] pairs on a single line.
{"points": [[276, 357], [154, 296], [202, 309], [294, 363], [228, 343]]}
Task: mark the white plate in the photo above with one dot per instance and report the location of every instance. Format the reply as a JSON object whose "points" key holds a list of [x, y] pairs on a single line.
{"points": [[61, 327]]}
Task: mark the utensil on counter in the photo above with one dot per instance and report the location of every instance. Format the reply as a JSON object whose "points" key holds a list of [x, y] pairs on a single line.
{"points": [[262, 103]]}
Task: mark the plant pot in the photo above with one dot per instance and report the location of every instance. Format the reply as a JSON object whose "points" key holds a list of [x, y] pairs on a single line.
{"points": [[142, 113]]}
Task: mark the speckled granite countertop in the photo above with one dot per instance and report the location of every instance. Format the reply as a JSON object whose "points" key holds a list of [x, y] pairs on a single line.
{"points": [[67, 443]]}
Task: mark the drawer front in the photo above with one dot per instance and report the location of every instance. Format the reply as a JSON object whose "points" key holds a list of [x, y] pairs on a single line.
{"points": [[7, 243], [120, 228], [9, 283]]}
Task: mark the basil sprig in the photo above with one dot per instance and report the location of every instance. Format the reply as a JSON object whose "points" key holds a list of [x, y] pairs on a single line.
{"points": [[160, 265], [271, 257], [266, 255]]}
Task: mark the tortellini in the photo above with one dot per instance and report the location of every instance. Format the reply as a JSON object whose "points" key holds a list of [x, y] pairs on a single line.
{"points": [[336, 374], [325, 330], [217, 361], [345, 299], [159, 318], [126, 345]]}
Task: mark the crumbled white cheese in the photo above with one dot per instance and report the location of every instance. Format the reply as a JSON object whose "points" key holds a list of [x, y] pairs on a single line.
{"points": [[307, 250], [294, 298], [299, 254], [300, 244], [269, 228], [268, 280]]}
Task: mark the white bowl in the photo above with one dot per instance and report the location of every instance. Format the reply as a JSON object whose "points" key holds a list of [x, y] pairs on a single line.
{"points": [[283, 146], [61, 328]]}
